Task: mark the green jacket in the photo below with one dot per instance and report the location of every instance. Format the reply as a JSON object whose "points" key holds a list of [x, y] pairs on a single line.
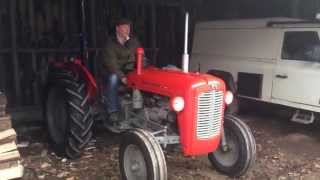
{"points": [[116, 55]]}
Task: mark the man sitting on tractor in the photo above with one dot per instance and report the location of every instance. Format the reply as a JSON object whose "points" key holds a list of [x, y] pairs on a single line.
{"points": [[120, 50]]}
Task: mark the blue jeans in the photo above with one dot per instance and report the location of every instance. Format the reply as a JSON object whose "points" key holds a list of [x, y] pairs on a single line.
{"points": [[112, 82]]}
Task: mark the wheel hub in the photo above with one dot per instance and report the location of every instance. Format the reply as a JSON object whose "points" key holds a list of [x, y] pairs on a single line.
{"points": [[134, 163], [135, 166], [228, 154], [225, 148]]}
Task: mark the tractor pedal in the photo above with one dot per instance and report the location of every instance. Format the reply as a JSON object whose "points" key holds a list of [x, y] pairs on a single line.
{"points": [[303, 117], [123, 126], [115, 128]]}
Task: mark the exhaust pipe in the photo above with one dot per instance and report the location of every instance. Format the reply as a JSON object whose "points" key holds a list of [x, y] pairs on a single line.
{"points": [[140, 53], [185, 56]]}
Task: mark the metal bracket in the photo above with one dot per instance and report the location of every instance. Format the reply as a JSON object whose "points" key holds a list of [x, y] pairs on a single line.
{"points": [[164, 139]]}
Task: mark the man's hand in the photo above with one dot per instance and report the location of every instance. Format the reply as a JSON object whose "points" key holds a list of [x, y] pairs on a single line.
{"points": [[124, 80]]}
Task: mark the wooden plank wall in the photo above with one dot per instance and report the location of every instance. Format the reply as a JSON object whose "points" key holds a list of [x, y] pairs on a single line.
{"points": [[34, 32]]}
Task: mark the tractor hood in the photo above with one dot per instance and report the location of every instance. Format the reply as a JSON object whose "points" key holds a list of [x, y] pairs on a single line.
{"points": [[171, 82]]}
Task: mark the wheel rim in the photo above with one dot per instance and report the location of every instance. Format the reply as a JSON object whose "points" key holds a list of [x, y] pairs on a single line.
{"points": [[56, 117], [134, 164], [229, 157]]}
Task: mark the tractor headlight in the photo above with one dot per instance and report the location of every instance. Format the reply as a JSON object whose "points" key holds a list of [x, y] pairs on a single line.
{"points": [[177, 104], [228, 98]]}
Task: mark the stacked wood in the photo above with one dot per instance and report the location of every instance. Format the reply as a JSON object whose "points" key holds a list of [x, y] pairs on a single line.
{"points": [[10, 167]]}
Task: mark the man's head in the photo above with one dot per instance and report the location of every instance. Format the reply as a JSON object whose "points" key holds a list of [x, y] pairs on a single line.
{"points": [[123, 27]]}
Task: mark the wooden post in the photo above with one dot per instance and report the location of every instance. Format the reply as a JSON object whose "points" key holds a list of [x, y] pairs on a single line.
{"points": [[31, 19], [48, 15], [93, 36], [33, 55], [2, 45], [63, 16], [2, 63], [35, 85], [14, 52], [153, 31], [2, 73]]}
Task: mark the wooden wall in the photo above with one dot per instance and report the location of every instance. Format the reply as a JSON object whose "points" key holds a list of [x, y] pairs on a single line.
{"points": [[35, 32]]}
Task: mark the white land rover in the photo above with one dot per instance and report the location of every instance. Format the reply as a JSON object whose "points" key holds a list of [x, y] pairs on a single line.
{"points": [[275, 60]]}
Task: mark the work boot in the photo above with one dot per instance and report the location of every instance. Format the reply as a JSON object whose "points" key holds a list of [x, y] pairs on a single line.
{"points": [[117, 121], [114, 117], [122, 125], [111, 119]]}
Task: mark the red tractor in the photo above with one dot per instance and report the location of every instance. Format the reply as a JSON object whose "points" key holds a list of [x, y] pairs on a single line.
{"points": [[162, 107]]}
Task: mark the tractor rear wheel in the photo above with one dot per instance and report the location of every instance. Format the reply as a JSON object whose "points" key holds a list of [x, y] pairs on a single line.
{"points": [[68, 116], [240, 153], [141, 157]]}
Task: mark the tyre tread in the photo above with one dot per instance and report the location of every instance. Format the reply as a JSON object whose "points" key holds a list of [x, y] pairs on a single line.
{"points": [[79, 116], [242, 165]]}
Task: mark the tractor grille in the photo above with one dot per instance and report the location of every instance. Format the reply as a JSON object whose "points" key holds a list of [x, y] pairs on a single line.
{"points": [[209, 114]]}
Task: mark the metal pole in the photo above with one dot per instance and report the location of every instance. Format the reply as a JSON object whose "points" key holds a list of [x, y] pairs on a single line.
{"points": [[185, 57]]}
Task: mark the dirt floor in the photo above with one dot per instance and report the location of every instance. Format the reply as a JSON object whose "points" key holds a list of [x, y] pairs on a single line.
{"points": [[286, 150]]}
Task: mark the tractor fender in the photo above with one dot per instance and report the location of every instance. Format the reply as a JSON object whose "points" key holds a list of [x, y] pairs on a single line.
{"points": [[75, 69], [91, 81], [227, 77]]}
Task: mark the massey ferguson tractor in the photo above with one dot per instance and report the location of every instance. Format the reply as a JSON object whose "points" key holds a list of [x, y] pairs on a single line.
{"points": [[162, 107]]}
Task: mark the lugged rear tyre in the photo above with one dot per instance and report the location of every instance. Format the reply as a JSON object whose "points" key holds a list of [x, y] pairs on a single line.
{"points": [[68, 115], [241, 153]]}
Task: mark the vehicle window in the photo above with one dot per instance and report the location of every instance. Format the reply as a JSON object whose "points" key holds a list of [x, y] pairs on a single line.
{"points": [[301, 45]]}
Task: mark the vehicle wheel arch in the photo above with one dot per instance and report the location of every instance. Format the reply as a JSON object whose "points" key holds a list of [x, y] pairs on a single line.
{"points": [[230, 85]]}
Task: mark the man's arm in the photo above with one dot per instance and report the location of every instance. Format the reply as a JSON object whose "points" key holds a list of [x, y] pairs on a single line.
{"points": [[110, 61]]}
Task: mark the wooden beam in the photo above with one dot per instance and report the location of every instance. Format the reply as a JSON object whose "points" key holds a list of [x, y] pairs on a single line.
{"points": [[5, 50], [7, 147], [153, 31], [5, 123], [2, 75], [12, 172], [10, 164], [13, 15], [35, 86], [93, 26], [93, 23], [2, 44], [9, 156], [7, 136]]}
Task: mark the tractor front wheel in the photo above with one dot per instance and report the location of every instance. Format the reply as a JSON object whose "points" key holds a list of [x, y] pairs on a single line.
{"points": [[239, 153], [141, 157]]}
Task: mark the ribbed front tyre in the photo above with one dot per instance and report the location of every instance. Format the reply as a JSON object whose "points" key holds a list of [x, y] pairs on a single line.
{"points": [[141, 157], [239, 154], [68, 116]]}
